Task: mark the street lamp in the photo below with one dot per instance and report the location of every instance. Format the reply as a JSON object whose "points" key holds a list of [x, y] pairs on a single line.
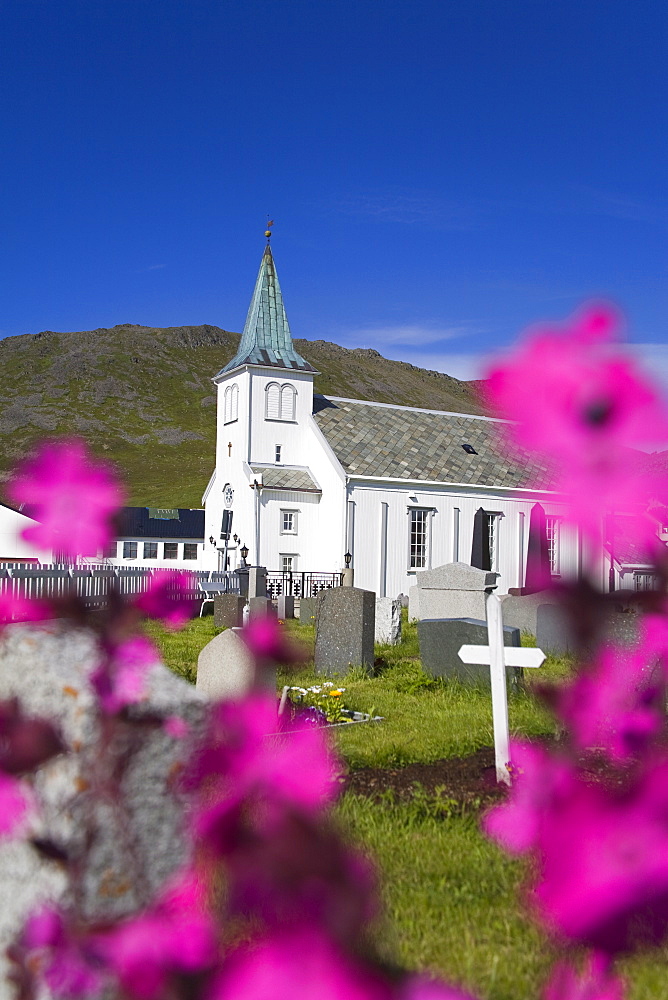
{"points": [[348, 559], [244, 554], [212, 539]]}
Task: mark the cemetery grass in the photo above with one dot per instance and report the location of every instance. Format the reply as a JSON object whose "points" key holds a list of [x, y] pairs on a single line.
{"points": [[452, 901]]}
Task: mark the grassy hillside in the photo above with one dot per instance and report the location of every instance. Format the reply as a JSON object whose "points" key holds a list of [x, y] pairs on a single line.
{"points": [[143, 398]]}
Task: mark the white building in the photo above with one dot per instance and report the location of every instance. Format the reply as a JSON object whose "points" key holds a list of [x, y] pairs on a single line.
{"points": [[14, 550], [303, 479], [158, 538]]}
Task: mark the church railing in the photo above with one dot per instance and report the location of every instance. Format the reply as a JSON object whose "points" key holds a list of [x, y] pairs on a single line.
{"points": [[289, 583]]}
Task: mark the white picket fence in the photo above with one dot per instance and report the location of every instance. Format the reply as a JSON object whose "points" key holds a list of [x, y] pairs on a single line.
{"points": [[92, 584]]}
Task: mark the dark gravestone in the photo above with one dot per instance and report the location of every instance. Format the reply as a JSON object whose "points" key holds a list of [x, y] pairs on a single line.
{"points": [[346, 623], [441, 639], [553, 634], [308, 610], [260, 607], [228, 610]]}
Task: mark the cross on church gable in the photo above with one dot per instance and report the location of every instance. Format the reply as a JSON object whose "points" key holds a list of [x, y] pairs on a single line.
{"points": [[498, 657]]}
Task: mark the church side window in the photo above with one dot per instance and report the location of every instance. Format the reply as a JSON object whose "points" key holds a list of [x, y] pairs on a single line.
{"points": [[273, 401], [493, 519], [231, 412], [280, 402], [552, 530], [418, 538]]}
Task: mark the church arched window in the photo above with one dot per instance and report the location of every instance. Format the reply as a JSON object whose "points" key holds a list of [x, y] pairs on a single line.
{"points": [[280, 401], [272, 409], [288, 397], [231, 411]]}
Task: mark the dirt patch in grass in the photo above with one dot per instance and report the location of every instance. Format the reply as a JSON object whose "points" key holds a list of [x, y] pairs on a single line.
{"points": [[468, 780]]}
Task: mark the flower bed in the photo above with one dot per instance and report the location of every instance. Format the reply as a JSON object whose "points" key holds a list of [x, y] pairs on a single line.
{"points": [[322, 705]]}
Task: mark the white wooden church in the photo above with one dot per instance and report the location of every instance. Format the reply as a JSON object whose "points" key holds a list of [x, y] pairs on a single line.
{"points": [[307, 483]]}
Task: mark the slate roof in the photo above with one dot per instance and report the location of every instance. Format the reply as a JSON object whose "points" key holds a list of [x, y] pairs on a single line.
{"points": [[401, 442], [266, 338], [134, 522], [281, 478]]}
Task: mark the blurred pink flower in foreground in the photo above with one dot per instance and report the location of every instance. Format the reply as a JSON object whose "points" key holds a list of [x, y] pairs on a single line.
{"points": [[603, 864], [17, 608], [595, 982], [424, 988], [14, 803], [176, 935], [295, 769], [73, 497], [267, 640], [303, 964], [583, 405], [615, 705], [120, 679], [540, 781], [168, 597], [61, 958]]}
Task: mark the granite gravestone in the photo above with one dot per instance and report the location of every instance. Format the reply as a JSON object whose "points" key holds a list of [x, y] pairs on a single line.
{"points": [[455, 590], [521, 611], [47, 667], [228, 610], [345, 630], [308, 610], [260, 607], [388, 620], [441, 639], [285, 607], [226, 668]]}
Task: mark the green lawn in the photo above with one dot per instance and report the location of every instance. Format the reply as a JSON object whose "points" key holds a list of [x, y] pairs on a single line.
{"points": [[452, 900]]}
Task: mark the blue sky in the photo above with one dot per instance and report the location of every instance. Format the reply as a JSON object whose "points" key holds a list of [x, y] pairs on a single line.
{"points": [[441, 172]]}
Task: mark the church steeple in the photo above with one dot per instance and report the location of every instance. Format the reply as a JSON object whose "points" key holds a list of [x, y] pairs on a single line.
{"points": [[266, 339]]}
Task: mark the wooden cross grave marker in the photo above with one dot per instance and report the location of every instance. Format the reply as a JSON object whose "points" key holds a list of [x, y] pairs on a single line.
{"points": [[498, 657]]}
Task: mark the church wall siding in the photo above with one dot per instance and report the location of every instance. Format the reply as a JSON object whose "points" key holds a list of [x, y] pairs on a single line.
{"points": [[372, 565]]}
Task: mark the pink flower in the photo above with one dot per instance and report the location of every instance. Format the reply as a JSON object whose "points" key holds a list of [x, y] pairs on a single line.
{"points": [[120, 679], [540, 782], [14, 803], [603, 864], [169, 596], [176, 727], [266, 639], [176, 935], [303, 964], [595, 982], [584, 405], [246, 754], [73, 496], [424, 988], [614, 705], [17, 608], [26, 742], [68, 968]]}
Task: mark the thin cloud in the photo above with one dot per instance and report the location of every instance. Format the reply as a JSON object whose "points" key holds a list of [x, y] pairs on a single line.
{"points": [[416, 209], [408, 335]]}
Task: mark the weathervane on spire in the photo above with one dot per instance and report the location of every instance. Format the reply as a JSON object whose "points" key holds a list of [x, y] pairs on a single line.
{"points": [[268, 229]]}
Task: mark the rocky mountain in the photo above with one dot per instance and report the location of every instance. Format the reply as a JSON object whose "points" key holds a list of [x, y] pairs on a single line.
{"points": [[143, 397]]}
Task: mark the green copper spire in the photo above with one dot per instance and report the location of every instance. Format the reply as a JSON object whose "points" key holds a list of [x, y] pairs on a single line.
{"points": [[266, 339]]}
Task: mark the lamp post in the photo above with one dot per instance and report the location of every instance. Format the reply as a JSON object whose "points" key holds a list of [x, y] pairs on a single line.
{"points": [[348, 574]]}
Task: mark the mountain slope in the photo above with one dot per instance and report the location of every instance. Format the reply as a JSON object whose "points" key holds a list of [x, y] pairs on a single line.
{"points": [[143, 397]]}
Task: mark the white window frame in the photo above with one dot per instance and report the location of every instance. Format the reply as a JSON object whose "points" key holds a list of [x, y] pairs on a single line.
{"points": [[231, 404], [126, 547], [493, 529], [553, 532], [191, 558], [170, 558], [293, 557], [419, 558], [294, 515], [144, 555], [277, 453], [280, 402]]}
